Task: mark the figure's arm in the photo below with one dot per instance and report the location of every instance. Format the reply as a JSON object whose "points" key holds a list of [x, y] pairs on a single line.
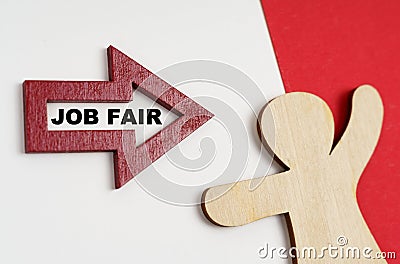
{"points": [[240, 205], [362, 133]]}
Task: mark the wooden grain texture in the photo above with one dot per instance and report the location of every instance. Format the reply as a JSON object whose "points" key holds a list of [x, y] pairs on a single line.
{"points": [[125, 75], [318, 192], [329, 47]]}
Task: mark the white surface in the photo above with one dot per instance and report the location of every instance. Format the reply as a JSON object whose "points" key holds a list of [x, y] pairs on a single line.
{"points": [[61, 208]]}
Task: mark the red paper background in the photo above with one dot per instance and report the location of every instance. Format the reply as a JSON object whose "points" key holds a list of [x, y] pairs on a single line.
{"points": [[329, 48]]}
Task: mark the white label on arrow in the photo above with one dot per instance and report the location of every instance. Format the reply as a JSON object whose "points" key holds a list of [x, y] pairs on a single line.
{"points": [[111, 116]]}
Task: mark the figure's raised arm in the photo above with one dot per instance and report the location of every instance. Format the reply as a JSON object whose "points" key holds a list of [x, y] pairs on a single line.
{"points": [[362, 133], [236, 204]]}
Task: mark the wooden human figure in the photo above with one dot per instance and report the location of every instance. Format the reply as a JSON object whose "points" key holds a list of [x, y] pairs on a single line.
{"points": [[318, 192]]}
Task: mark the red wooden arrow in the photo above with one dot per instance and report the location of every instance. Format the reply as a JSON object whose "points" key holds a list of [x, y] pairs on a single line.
{"points": [[125, 75]]}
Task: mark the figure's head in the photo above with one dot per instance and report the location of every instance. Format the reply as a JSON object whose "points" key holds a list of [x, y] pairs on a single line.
{"points": [[297, 126]]}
